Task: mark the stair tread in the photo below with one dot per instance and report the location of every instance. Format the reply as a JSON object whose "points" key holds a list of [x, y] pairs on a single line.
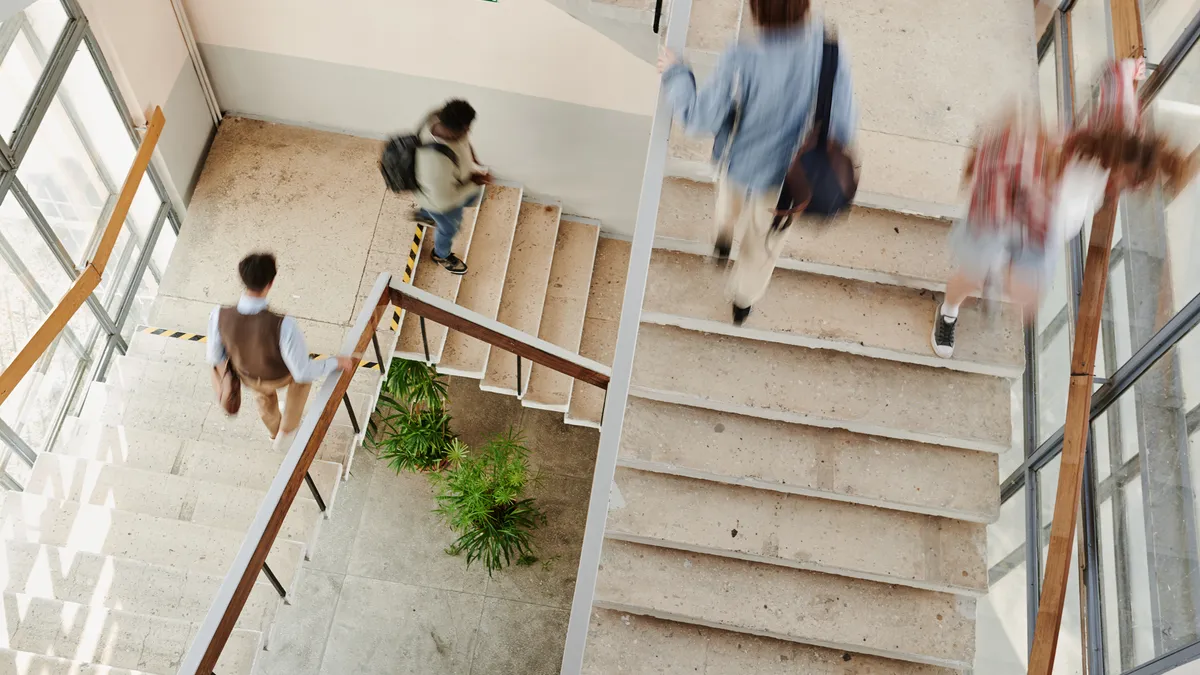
{"points": [[27, 663], [630, 644], [132, 371], [565, 310], [524, 295], [869, 244], [243, 465], [481, 287], [833, 537], [175, 497], [434, 279], [824, 388], [813, 310], [123, 534], [601, 320], [814, 461], [113, 637], [70, 575], [809, 607], [712, 24]]}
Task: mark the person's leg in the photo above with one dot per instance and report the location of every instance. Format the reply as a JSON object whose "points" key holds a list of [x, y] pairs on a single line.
{"points": [[293, 406], [267, 398], [447, 226], [759, 251], [977, 251], [731, 202]]}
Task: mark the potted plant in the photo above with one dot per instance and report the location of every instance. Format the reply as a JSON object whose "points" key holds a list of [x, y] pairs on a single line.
{"points": [[413, 430], [482, 496]]}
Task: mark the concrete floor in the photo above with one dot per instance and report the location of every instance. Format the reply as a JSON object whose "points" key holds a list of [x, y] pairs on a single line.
{"points": [[380, 596]]}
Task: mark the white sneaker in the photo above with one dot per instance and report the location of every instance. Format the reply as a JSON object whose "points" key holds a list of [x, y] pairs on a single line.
{"points": [[283, 441], [942, 337]]}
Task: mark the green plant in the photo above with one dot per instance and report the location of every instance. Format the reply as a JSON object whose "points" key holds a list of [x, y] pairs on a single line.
{"points": [[412, 431], [482, 497]]}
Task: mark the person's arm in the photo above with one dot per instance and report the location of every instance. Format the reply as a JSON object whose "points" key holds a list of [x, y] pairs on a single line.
{"points": [[439, 184], [843, 113], [704, 110], [215, 351], [295, 354]]}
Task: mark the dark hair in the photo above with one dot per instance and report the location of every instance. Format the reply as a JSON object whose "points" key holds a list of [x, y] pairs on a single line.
{"points": [[1145, 157], [779, 13], [257, 271], [457, 116]]}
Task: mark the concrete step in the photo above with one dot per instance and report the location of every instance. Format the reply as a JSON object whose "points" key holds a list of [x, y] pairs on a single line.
{"points": [[524, 296], [851, 540], [435, 279], [483, 284], [166, 496], [810, 461], [630, 644], [894, 622], [822, 387], [161, 541], [868, 245], [813, 310], [192, 418], [564, 312], [13, 662], [250, 466], [129, 585], [133, 372], [601, 319], [113, 637]]}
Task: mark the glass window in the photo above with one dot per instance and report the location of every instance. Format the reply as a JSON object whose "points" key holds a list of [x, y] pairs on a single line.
{"points": [[1068, 660], [1048, 85], [1001, 629], [1053, 354], [1091, 40], [30, 37], [1163, 22]]}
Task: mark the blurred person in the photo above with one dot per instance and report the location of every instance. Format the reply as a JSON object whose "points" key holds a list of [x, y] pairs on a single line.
{"points": [[758, 104], [1032, 191], [450, 181], [267, 350]]}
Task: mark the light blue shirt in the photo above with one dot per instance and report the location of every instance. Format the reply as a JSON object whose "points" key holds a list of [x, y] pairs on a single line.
{"points": [[291, 343], [774, 82]]}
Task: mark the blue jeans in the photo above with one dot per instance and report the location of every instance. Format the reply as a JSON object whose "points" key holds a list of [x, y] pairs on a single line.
{"points": [[448, 223]]}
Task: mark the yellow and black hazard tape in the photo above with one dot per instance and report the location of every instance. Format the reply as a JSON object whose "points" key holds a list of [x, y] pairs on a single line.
{"points": [[414, 250], [196, 337]]}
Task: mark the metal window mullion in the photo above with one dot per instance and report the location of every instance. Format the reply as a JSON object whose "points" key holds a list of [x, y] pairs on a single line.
{"points": [[43, 227], [47, 87], [10, 483], [72, 392], [115, 272], [9, 254], [1170, 61], [1090, 555], [141, 264], [18, 445]]}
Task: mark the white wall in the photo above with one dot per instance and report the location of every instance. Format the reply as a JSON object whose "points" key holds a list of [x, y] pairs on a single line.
{"points": [[562, 108]]}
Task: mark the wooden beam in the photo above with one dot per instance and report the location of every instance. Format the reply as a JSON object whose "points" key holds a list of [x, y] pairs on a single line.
{"points": [[249, 577], [125, 199], [479, 331], [1075, 432]]}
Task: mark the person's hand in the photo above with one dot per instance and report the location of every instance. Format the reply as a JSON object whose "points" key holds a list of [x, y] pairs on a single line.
{"points": [[666, 59], [481, 178], [346, 364]]}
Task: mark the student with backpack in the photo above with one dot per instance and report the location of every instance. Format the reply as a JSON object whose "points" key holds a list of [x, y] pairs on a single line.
{"points": [[758, 104], [438, 165]]}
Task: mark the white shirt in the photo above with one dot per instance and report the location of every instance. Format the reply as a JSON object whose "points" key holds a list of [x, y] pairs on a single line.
{"points": [[1080, 194], [291, 343]]}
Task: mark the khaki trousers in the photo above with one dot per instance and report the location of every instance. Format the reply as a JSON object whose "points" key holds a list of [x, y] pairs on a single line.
{"points": [[741, 215], [267, 394]]}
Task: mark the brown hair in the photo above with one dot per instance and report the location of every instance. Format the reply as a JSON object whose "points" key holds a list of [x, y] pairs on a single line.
{"points": [[1143, 157], [257, 271], [779, 13]]}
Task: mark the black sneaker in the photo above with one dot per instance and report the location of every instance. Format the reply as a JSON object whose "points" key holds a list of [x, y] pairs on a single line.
{"points": [[721, 249], [942, 337], [740, 314], [452, 264], [418, 217]]}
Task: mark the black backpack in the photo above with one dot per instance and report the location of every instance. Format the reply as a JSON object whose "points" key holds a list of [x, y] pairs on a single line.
{"points": [[398, 164]]}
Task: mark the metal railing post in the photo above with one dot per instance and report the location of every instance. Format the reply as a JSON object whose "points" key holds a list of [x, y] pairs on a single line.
{"points": [[350, 412], [424, 339], [518, 376], [274, 581], [312, 486], [378, 352]]}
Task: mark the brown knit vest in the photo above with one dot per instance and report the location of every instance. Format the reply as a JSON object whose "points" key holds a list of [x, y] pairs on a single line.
{"points": [[252, 342]]}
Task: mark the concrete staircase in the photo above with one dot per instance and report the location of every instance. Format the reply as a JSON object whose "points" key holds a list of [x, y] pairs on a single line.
{"points": [[126, 529], [540, 272], [809, 492]]}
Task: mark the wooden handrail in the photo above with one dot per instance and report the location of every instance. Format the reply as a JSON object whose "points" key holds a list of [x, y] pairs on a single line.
{"points": [[92, 273], [210, 640], [427, 305]]}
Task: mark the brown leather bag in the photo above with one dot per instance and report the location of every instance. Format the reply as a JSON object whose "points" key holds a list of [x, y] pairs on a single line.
{"points": [[227, 387]]}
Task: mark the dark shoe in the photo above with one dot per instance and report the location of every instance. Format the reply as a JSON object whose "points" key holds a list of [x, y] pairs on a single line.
{"points": [[942, 337], [418, 217], [740, 314], [721, 249], [452, 264]]}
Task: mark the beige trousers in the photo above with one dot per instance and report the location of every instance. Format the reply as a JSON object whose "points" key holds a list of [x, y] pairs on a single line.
{"points": [[747, 217], [267, 394]]}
